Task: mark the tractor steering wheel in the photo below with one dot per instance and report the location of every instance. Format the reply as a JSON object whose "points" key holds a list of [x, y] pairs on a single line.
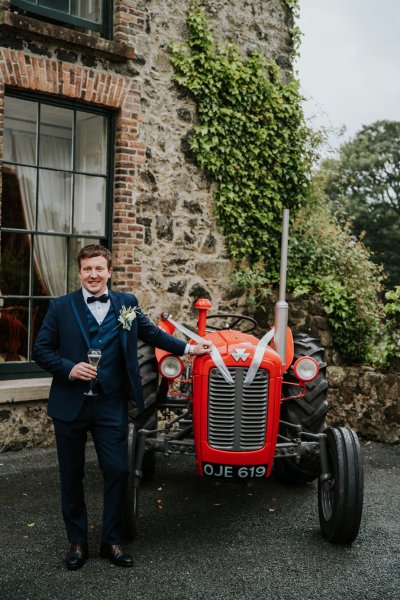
{"points": [[234, 320]]}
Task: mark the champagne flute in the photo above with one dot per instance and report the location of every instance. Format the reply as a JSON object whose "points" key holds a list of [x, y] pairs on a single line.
{"points": [[94, 356]]}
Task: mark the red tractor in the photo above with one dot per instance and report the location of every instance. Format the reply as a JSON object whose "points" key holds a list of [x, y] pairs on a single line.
{"points": [[250, 407]]}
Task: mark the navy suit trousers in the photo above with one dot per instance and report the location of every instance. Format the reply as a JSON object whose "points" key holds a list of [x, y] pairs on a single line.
{"points": [[107, 420]]}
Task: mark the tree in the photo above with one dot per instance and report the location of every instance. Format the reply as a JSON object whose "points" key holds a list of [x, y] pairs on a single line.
{"points": [[365, 184]]}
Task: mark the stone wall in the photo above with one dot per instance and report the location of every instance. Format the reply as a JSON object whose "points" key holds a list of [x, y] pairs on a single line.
{"points": [[183, 255], [365, 400], [25, 425]]}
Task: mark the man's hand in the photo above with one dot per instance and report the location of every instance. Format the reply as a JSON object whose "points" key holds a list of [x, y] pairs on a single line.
{"points": [[83, 371], [200, 349]]}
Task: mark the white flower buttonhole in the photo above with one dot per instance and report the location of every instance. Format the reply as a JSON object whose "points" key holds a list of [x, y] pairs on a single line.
{"points": [[126, 316]]}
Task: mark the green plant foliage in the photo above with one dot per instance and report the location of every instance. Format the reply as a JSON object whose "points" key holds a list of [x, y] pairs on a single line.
{"points": [[325, 259], [250, 138], [392, 306], [392, 310], [364, 182]]}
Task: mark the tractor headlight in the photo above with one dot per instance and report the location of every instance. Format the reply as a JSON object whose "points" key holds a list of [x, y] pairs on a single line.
{"points": [[171, 367], [306, 368]]}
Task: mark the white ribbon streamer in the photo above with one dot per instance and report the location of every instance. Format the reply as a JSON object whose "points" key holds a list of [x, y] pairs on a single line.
{"points": [[258, 356], [215, 355]]}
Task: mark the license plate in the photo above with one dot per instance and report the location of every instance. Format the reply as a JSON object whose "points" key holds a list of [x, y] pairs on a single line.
{"points": [[234, 471]]}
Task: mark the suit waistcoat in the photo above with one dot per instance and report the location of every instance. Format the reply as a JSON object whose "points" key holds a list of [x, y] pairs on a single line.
{"points": [[106, 337]]}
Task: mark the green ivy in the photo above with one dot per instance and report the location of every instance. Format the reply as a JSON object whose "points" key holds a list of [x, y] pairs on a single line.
{"points": [[250, 138], [295, 31]]}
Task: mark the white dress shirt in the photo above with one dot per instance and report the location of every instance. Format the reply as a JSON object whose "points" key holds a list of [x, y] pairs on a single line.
{"points": [[98, 309]]}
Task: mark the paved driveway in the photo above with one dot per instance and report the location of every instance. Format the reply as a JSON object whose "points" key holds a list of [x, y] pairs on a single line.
{"points": [[198, 540]]}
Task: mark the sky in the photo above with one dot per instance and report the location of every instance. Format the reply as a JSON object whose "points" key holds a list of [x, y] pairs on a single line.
{"points": [[349, 65]]}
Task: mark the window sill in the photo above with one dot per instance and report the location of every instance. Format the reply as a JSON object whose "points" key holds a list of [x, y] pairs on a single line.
{"points": [[24, 390], [75, 38]]}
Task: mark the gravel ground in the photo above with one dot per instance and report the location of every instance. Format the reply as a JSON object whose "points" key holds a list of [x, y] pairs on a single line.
{"points": [[198, 540]]}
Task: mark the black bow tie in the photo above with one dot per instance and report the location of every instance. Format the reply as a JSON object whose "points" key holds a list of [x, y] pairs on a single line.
{"points": [[103, 298]]}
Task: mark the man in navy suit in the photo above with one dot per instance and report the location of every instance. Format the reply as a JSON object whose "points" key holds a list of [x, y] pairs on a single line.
{"points": [[88, 318]]}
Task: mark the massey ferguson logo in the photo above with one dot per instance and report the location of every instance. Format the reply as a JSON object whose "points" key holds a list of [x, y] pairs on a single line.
{"points": [[240, 354]]}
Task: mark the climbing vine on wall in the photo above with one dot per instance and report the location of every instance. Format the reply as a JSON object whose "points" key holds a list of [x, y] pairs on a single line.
{"points": [[250, 138], [295, 31]]}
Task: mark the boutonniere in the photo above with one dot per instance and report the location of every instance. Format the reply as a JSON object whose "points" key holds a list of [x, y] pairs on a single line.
{"points": [[126, 316]]}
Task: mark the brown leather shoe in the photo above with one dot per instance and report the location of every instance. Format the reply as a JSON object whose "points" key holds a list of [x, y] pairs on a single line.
{"points": [[77, 556], [116, 554]]}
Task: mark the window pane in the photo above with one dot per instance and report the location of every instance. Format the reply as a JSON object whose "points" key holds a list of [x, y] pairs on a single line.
{"points": [[73, 250], [55, 137], [85, 9], [54, 201], [20, 124], [14, 319], [61, 5], [91, 143], [50, 258], [14, 263], [88, 9], [18, 208], [90, 205]]}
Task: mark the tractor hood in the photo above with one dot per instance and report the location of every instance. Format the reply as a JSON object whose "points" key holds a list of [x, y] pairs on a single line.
{"points": [[237, 349]]}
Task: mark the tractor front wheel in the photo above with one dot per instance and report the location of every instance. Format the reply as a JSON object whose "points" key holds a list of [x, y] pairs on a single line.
{"points": [[340, 495]]}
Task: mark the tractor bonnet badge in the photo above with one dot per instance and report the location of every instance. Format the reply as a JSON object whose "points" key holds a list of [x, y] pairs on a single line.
{"points": [[240, 353]]}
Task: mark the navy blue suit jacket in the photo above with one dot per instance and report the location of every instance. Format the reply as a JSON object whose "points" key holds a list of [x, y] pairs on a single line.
{"points": [[63, 341]]}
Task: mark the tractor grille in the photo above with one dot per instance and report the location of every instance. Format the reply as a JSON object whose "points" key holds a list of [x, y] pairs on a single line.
{"points": [[237, 414]]}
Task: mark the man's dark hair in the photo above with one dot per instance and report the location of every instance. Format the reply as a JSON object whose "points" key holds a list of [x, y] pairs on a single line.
{"points": [[95, 250]]}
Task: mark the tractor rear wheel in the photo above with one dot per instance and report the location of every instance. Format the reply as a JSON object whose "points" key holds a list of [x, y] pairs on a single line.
{"points": [[308, 411], [149, 460], [146, 419], [149, 376], [340, 497], [131, 508]]}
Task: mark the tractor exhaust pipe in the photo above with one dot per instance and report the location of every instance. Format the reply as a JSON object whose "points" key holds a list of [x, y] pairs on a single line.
{"points": [[281, 307]]}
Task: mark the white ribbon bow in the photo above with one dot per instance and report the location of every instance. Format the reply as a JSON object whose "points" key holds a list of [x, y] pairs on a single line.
{"points": [[215, 355], [258, 356]]}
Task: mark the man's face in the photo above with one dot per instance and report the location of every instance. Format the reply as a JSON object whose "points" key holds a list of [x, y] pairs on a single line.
{"points": [[94, 274]]}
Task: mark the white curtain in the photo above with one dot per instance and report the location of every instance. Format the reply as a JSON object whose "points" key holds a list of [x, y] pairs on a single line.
{"points": [[54, 208], [88, 9]]}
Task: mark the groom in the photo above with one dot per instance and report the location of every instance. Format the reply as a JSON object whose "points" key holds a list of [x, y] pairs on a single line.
{"points": [[88, 318]]}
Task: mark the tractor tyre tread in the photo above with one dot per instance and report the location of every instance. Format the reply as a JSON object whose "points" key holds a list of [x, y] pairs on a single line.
{"points": [[309, 411], [341, 526]]}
